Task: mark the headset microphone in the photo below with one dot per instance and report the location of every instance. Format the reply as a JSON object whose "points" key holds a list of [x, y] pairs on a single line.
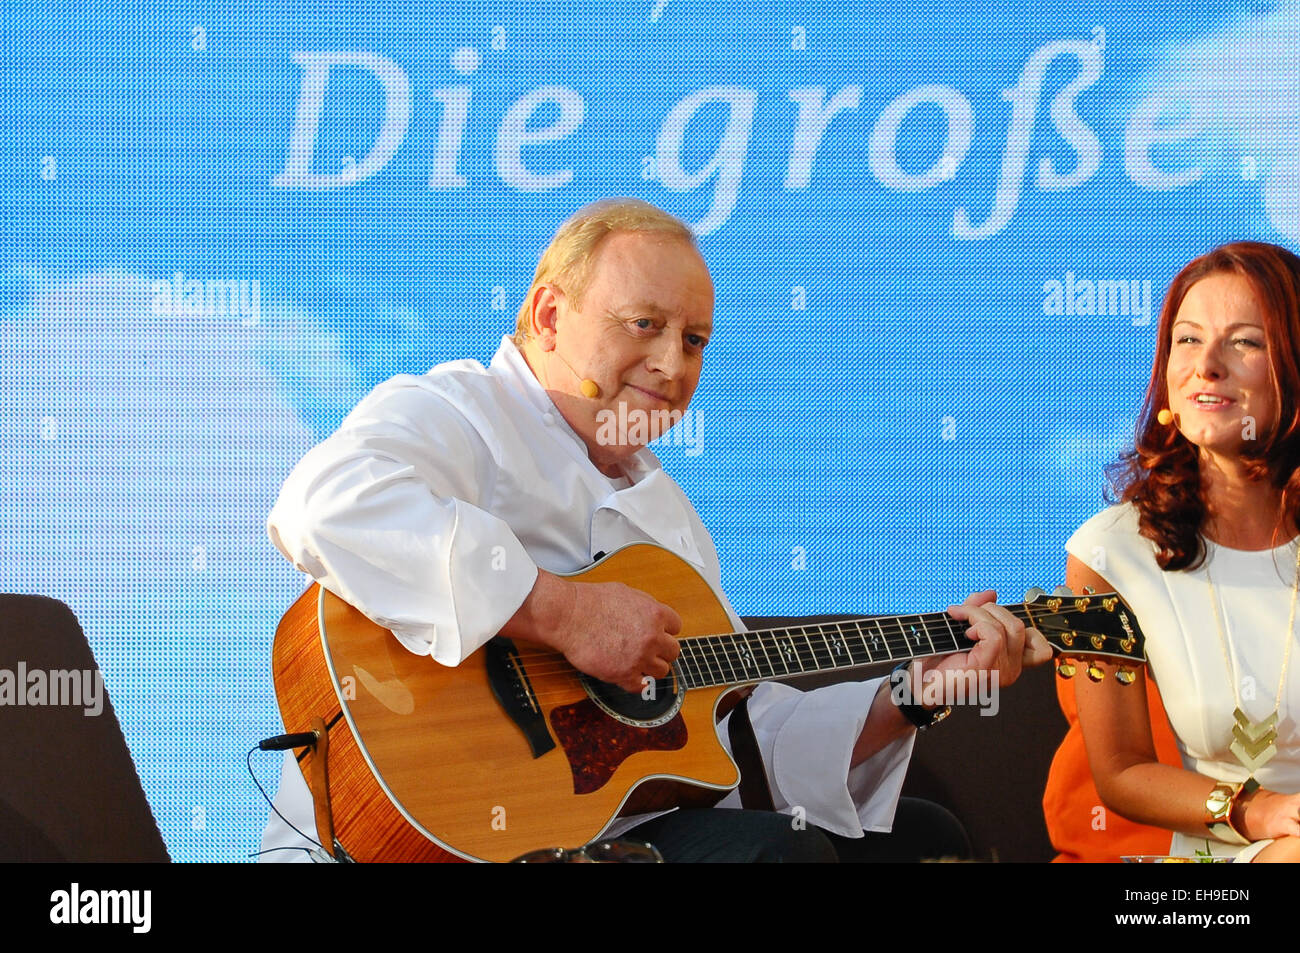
{"points": [[586, 385]]}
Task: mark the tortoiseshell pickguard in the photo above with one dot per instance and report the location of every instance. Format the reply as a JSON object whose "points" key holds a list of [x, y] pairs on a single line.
{"points": [[597, 744]]}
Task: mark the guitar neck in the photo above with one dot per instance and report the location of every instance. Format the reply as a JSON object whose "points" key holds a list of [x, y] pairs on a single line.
{"points": [[739, 658]]}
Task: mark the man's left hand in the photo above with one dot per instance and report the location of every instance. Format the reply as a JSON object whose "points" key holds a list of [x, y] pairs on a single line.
{"points": [[1002, 643]]}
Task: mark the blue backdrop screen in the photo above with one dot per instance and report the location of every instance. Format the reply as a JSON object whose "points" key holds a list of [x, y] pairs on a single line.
{"points": [[940, 235]]}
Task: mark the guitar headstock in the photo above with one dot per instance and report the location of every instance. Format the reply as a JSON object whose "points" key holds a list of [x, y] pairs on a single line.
{"points": [[1091, 626]]}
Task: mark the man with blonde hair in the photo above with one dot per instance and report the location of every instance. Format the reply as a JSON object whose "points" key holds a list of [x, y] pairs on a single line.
{"points": [[447, 505], [569, 259]]}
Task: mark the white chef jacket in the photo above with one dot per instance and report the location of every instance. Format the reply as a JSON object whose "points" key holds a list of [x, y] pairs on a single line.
{"points": [[430, 511]]}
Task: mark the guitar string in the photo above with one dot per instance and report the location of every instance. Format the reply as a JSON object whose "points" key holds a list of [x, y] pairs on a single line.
{"points": [[889, 637], [785, 656], [1021, 611], [776, 641], [833, 645], [696, 672], [728, 666], [709, 673], [692, 674], [772, 637]]}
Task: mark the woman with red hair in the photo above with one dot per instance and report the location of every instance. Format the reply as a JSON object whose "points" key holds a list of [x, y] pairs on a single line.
{"points": [[1203, 546]]}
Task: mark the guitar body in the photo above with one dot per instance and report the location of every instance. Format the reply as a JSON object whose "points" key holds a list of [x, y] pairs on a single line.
{"points": [[428, 763]]}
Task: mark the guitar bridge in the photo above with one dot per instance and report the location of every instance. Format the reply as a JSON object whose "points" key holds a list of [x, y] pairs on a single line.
{"points": [[509, 682]]}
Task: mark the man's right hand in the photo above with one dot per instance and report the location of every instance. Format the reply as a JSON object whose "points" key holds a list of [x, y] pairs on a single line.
{"points": [[608, 630]]}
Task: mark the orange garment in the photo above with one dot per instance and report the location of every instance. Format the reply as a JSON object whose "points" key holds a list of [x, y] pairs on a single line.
{"points": [[1081, 828]]}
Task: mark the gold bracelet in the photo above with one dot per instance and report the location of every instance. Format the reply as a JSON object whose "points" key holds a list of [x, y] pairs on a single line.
{"points": [[1249, 786], [1219, 805]]}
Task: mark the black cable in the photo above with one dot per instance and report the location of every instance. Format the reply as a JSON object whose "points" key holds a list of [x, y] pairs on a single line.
{"points": [[270, 850], [256, 784]]}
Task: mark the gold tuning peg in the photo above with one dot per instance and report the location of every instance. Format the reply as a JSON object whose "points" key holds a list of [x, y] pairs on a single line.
{"points": [[1127, 643], [1095, 673], [1065, 668], [1125, 676], [1067, 639], [1109, 603]]}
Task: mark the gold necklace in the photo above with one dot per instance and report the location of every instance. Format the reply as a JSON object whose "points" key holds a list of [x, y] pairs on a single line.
{"points": [[1254, 743]]}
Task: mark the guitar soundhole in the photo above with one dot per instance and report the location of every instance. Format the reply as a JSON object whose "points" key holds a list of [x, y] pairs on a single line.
{"points": [[655, 704]]}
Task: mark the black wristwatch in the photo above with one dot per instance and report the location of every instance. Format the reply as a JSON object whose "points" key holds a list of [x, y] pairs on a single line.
{"points": [[919, 715]]}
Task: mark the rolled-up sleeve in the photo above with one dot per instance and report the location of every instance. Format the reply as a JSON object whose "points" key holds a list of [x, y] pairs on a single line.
{"points": [[388, 515], [806, 740]]}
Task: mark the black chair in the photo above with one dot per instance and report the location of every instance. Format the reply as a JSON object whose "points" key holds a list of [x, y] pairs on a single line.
{"points": [[68, 787]]}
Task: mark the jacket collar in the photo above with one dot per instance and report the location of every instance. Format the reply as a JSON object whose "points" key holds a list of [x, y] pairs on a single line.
{"points": [[652, 508], [509, 363]]}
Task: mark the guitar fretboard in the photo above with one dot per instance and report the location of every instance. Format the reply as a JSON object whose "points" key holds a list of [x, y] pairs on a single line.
{"points": [[739, 657]]}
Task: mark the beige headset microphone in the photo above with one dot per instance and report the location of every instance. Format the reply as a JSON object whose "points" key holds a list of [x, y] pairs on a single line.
{"points": [[589, 388]]}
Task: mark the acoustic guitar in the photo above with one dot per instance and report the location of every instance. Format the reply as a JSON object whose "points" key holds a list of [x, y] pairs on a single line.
{"points": [[515, 750]]}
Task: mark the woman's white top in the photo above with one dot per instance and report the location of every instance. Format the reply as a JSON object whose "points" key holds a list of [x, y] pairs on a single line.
{"points": [[1253, 595]]}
